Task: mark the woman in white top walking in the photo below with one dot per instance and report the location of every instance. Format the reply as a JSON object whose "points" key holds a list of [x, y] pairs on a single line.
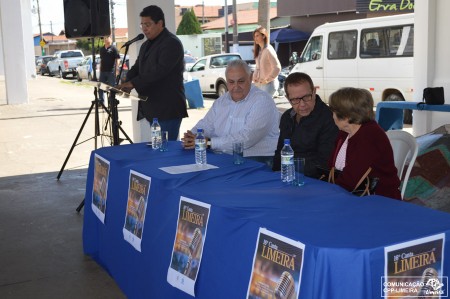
{"points": [[267, 64]]}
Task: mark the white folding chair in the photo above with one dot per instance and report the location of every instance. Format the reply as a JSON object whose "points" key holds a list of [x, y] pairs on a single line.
{"points": [[405, 149]]}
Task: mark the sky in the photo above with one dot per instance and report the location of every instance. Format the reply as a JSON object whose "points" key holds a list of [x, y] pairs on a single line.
{"points": [[52, 12]]}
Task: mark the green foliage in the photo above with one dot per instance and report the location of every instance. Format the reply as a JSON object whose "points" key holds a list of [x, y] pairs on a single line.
{"points": [[189, 24], [86, 44]]}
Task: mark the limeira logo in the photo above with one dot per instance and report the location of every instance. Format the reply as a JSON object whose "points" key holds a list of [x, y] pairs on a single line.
{"points": [[414, 287]]}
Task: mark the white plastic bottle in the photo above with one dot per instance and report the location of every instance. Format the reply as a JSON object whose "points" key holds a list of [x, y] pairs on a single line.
{"points": [[287, 162], [156, 134], [200, 148]]}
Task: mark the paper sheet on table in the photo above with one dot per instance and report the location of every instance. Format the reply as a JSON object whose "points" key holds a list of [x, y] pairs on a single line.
{"points": [[187, 168]]}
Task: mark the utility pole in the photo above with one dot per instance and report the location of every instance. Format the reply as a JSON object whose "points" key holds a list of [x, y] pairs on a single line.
{"points": [[51, 29], [203, 12], [235, 29], [264, 15], [40, 29], [225, 14], [113, 27]]}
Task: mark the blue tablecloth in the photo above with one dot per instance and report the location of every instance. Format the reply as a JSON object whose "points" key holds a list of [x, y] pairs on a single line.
{"points": [[344, 235]]}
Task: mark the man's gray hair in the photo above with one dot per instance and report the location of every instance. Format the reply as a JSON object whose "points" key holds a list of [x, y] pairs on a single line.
{"points": [[238, 63]]}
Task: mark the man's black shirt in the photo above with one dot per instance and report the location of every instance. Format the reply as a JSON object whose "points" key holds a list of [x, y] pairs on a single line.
{"points": [[108, 58]]}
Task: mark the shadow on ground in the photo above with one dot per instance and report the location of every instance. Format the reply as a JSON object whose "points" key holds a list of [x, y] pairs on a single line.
{"points": [[41, 254]]}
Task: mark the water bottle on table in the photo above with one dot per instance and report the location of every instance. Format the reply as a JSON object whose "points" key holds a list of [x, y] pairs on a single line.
{"points": [[156, 134], [200, 148], [287, 162]]}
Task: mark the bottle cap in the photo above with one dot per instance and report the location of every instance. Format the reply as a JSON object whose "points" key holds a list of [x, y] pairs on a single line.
{"points": [[155, 119], [199, 130], [287, 141]]}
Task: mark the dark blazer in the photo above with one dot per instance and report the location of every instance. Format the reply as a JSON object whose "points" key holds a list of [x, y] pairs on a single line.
{"points": [[369, 147], [158, 74], [313, 138]]}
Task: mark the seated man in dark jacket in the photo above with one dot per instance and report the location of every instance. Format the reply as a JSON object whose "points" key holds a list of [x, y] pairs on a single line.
{"points": [[308, 124]]}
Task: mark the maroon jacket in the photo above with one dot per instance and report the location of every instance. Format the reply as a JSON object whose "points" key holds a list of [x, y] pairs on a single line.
{"points": [[369, 147]]}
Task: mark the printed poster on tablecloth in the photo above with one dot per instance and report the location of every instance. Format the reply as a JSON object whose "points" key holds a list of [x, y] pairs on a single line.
{"points": [[414, 269], [277, 267], [188, 245], [100, 187], [136, 208]]}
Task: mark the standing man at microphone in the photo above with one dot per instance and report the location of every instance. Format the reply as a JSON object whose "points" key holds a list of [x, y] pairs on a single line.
{"points": [[109, 62], [158, 74]]}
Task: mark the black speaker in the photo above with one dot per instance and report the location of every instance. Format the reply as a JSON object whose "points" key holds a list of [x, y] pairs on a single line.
{"points": [[86, 18]]}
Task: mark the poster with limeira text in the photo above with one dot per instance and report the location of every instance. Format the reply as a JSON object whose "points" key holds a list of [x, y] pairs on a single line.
{"points": [[188, 245], [277, 267], [139, 186], [414, 269], [100, 187]]}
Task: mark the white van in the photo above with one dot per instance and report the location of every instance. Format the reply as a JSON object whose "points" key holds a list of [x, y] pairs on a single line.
{"points": [[375, 54]]}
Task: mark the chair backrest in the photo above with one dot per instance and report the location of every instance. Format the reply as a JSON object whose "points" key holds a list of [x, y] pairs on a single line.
{"points": [[405, 149], [372, 47]]}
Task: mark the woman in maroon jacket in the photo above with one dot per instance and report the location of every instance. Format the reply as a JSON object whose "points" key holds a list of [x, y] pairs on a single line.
{"points": [[361, 143]]}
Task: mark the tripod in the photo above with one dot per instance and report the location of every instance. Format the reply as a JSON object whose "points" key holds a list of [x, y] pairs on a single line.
{"points": [[113, 117], [95, 104]]}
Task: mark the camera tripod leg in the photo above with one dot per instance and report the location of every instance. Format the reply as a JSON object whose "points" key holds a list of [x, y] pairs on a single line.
{"points": [[115, 123], [80, 206], [76, 140]]}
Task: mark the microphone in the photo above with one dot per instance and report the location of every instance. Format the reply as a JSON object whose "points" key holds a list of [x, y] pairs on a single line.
{"points": [[193, 249], [102, 188], [139, 37], [427, 275], [140, 208], [285, 286]]}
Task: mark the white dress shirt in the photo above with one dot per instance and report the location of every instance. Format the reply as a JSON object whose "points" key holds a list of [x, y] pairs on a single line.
{"points": [[253, 121]]}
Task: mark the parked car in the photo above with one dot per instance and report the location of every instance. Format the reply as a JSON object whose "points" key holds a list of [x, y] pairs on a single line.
{"points": [[37, 61], [210, 71], [41, 67], [65, 63], [85, 69], [188, 62]]}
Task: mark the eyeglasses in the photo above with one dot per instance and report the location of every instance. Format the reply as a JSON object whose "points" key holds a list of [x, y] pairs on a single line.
{"points": [[146, 25], [306, 99]]}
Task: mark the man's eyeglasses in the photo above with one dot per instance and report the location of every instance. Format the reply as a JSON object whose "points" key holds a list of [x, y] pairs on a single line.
{"points": [[145, 25], [306, 99]]}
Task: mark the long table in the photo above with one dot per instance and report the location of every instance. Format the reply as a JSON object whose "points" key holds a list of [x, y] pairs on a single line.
{"points": [[344, 235]]}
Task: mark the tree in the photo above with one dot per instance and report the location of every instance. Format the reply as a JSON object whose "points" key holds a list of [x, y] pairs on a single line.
{"points": [[189, 24], [86, 44]]}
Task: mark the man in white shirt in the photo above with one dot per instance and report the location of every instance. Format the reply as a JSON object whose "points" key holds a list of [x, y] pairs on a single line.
{"points": [[243, 114]]}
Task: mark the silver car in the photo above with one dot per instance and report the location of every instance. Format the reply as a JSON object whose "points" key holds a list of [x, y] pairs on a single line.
{"points": [[85, 69]]}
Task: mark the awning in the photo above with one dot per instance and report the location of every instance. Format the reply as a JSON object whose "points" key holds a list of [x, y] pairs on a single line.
{"points": [[287, 35]]}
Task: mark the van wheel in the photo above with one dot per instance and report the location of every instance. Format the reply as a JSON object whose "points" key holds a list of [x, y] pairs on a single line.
{"points": [[407, 113], [221, 89]]}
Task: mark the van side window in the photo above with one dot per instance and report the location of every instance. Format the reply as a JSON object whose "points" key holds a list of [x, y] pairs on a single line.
{"points": [[401, 41], [342, 45], [396, 41], [372, 43], [313, 50]]}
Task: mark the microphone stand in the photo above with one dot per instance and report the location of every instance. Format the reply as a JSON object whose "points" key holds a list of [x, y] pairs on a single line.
{"points": [[123, 62], [113, 115], [113, 102]]}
